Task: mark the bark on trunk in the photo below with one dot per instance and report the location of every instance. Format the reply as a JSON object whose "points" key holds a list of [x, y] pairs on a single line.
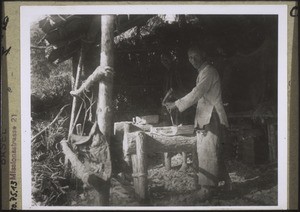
{"points": [[104, 107], [104, 110]]}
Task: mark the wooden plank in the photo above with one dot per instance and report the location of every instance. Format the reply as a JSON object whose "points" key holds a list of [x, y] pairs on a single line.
{"points": [[160, 143]]}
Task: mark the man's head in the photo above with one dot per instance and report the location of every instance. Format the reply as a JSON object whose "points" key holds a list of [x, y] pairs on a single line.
{"points": [[197, 56]]}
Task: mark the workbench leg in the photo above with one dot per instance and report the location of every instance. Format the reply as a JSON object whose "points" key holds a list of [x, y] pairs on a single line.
{"points": [[167, 158], [195, 160], [142, 168], [127, 158], [134, 172], [184, 162]]}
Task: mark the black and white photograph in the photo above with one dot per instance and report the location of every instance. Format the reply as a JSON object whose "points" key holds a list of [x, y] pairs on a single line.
{"points": [[159, 106]]}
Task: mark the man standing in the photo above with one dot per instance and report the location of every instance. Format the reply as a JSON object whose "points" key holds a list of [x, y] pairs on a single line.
{"points": [[173, 80], [210, 118]]}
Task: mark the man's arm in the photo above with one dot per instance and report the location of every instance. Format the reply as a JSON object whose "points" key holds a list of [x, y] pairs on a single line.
{"points": [[203, 85]]}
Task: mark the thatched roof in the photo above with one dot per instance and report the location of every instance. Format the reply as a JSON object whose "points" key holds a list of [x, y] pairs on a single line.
{"points": [[229, 33], [242, 47]]}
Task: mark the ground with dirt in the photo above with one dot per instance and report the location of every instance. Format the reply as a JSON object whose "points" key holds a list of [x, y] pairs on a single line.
{"points": [[253, 185]]}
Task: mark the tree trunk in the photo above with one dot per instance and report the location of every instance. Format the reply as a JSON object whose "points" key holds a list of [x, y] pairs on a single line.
{"points": [[104, 110]]}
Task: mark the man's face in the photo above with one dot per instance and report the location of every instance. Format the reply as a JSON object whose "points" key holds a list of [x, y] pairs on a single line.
{"points": [[196, 58]]}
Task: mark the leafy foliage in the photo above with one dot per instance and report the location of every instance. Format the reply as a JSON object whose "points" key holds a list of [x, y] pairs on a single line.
{"points": [[49, 186], [50, 84], [50, 87]]}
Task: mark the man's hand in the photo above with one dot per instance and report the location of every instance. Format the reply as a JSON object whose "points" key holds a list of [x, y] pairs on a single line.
{"points": [[170, 106]]}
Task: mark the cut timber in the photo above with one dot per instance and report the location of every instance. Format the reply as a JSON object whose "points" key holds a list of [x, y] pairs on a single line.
{"points": [[159, 143]]}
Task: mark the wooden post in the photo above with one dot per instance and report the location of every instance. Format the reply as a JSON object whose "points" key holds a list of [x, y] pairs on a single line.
{"points": [[127, 158], [104, 110], [142, 169], [167, 157], [134, 172], [195, 160], [184, 162], [74, 103]]}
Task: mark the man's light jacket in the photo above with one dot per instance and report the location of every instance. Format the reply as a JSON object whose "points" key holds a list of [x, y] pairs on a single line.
{"points": [[207, 93]]}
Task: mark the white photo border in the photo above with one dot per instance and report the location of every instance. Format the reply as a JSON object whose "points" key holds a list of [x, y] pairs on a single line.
{"points": [[29, 13]]}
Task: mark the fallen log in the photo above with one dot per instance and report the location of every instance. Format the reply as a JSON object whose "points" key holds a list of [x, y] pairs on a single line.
{"points": [[81, 171], [159, 143]]}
